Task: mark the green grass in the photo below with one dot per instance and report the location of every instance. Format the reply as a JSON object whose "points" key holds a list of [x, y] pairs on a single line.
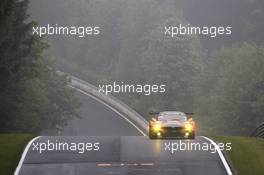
{"points": [[247, 154], [11, 149]]}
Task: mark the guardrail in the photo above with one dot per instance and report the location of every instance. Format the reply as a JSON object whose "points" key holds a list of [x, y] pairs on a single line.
{"points": [[111, 100], [259, 131]]}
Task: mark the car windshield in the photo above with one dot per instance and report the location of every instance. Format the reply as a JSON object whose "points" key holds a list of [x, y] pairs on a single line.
{"points": [[172, 117]]}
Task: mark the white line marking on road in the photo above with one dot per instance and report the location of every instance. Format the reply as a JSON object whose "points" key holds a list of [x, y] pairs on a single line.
{"points": [[24, 155], [222, 157], [85, 93]]}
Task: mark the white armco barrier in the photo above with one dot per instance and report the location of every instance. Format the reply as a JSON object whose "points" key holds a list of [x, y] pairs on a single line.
{"points": [[110, 100]]}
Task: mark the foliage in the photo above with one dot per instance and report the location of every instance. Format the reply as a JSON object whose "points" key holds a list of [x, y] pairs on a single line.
{"points": [[223, 85], [235, 101], [175, 63], [33, 97], [11, 148], [245, 17]]}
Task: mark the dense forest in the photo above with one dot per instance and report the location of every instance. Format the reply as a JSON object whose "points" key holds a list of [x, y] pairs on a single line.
{"points": [[221, 80], [33, 96]]}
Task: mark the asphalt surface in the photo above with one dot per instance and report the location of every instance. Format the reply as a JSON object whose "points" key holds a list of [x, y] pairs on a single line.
{"points": [[124, 151], [98, 120]]}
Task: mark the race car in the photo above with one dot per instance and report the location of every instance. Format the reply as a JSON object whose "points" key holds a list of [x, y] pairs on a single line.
{"points": [[171, 125]]}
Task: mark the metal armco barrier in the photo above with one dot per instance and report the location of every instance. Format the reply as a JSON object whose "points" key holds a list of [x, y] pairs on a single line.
{"points": [[109, 99], [259, 131]]}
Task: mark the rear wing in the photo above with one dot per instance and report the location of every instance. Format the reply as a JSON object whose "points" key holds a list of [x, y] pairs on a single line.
{"points": [[189, 115], [154, 113], [153, 116]]}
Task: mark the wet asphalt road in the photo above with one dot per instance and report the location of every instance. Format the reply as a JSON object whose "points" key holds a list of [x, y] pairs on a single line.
{"points": [[123, 151], [98, 120]]}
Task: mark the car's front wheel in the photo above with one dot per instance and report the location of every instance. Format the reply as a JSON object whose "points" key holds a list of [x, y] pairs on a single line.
{"points": [[152, 135], [192, 135]]}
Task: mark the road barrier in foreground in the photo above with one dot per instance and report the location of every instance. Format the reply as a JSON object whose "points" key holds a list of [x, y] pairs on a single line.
{"points": [[259, 131], [111, 100]]}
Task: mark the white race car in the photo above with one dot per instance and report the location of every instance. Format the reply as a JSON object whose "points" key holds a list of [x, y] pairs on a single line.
{"points": [[171, 124]]}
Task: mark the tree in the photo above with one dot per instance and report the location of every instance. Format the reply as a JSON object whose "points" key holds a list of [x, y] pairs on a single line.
{"points": [[33, 96], [245, 17], [175, 62], [235, 103]]}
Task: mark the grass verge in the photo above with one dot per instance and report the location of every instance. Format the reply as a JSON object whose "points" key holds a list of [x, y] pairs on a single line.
{"points": [[247, 154], [11, 148]]}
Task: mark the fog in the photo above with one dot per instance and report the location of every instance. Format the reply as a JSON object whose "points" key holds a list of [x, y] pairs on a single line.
{"points": [[218, 78]]}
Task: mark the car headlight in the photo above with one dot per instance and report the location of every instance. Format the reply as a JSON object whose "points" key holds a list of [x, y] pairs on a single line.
{"points": [[157, 127], [188, 127]]}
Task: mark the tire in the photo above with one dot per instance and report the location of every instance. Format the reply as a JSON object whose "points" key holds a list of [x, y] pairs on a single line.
{"points": [[192, 135], [152, 136]]}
